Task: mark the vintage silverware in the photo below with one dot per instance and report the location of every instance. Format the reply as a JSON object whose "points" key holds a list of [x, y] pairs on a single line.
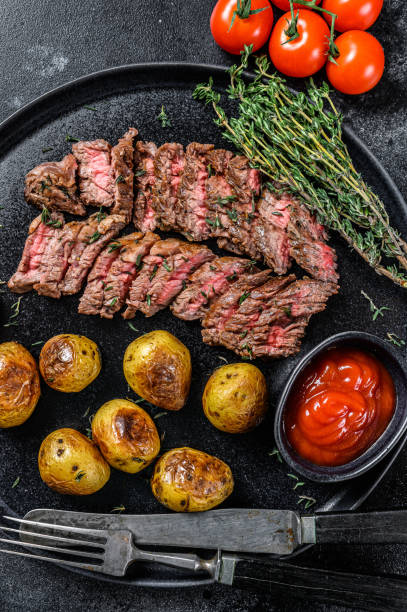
{"points": [[277, 532], [112, 552]]}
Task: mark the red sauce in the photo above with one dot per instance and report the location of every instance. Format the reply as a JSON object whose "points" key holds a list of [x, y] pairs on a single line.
{"points": [[340, 405]]}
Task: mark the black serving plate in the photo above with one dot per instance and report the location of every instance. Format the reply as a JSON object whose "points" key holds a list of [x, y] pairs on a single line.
{"points": [[133, 95]]}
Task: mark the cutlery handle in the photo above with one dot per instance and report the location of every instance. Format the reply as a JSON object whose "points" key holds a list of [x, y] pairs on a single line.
{"points": [[284, 580], [369, 527]]}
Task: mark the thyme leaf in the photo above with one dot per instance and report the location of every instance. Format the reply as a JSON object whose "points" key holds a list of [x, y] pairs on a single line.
{"points": [[376, 311], [163, 118]]}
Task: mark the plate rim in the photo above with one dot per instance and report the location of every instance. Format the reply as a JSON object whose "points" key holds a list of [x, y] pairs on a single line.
{"points": [[374, 477]]}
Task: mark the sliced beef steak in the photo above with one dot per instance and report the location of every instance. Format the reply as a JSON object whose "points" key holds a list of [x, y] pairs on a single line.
{"points": [[42, 230], [93, 236], [54, 263], [91, 301], [192, 209], [230, 215], [52, 185], [152, 265], [244, 180], [123, 271], [123, 175], [168, 168], [144, 181], [95, 174], [270, 320], [210, 281], [172, 275], [270, 231], [307, 244], [226, 305], [282, 324]]}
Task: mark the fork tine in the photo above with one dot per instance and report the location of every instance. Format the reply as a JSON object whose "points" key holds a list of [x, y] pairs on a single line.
{"points": [[53, 538], [96, 532], [66, 551], [87, 566]]}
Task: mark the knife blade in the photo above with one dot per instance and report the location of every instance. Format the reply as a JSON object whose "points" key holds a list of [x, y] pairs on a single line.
{"points": [[276, 532]]}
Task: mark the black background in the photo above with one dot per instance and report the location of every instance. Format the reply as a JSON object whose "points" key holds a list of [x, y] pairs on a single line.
{"points": [[43, 45]]}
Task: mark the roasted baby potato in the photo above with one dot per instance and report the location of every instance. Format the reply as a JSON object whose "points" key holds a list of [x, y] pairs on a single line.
{"points": [[235, 398], [157, 366], [188, 480], [69, 362], [19, 384], [71, 464], [126, 435]]}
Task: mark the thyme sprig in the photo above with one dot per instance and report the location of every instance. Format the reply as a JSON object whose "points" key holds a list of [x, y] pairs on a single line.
{"points": [[295, 139], [377, 312]]}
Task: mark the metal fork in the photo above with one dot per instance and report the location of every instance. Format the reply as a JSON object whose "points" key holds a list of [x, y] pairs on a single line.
{"points": [[110, 551]]}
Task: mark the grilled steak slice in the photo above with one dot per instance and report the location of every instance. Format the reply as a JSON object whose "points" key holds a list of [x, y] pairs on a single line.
{"points": [[282, 324], [144, 180], [233, 314], [123, 175], [270, 231], [270, 320], [91, 301], [95, 174], [41, 231], [210, 281], [230, 218], [152, 264], [54, 262], [172, 275], [244, 180], [218, 160], [307, 244], [52, 185], [124, 269], [192, 209], [168, 168], [93, 236]]}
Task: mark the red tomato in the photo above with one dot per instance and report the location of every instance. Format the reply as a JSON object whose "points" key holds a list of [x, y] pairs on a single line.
{"points": [[353, 14], [360, 63], [252, 30], [306, 54], [284, 5]]}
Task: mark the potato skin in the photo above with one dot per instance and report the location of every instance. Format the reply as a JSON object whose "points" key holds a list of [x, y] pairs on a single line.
{"points": [[189, 480], [126, 435], [157, 367], [71, 464], [19, 384], [235, 398], [69, 362]]}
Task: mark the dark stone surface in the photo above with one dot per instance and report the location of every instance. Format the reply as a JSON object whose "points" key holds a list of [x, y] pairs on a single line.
{"points": [[45, 44]]}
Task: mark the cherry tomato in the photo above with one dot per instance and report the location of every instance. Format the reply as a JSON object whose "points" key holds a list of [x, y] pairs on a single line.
{"points": [[353, 14], [304, 55], [284, 5], [252, 30], [360, 63]]}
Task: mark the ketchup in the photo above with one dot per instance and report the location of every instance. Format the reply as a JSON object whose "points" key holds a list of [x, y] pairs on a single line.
{"points": [[339, 406]]}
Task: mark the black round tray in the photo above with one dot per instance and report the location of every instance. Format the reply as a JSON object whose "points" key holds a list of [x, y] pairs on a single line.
{"points": [[133, 95]]}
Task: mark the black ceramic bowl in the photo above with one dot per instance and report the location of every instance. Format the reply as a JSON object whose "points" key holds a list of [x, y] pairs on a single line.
{"points": [[389, 357]]}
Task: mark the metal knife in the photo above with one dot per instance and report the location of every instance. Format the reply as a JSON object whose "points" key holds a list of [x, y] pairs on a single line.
{"points": [[277, 532]]}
